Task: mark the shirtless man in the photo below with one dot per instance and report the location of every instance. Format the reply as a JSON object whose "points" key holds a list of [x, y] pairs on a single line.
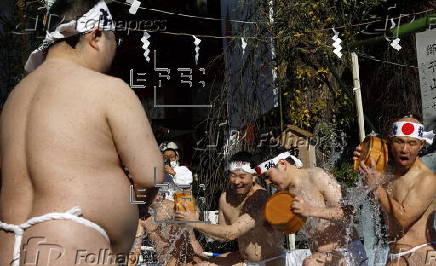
{"points": [[408, 195], [317, 198], [66, 129], [241, 218]]}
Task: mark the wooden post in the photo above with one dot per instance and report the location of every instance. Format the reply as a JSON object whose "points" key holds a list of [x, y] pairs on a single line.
{"points": [[358, 96]]}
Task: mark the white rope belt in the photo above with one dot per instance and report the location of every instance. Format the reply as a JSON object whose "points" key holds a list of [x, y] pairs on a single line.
{"points": [[393, 256], [72, 215]]}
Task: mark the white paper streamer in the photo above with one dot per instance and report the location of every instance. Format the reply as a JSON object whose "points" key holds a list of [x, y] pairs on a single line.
{"points": [[243, 45], [396, 44], [146, 45], [337, 44], [197, 41], [49, 3], [134, 7], [392, 24]]}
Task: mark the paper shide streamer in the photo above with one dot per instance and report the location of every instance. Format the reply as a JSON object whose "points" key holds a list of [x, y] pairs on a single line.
{"points": [[337, 43], [243, 45], [134, 6], [197, 41], [396, 44], [146, 44]]}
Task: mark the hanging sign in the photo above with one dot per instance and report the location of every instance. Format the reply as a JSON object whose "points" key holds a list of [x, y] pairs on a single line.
{"points": [[426, 54]]}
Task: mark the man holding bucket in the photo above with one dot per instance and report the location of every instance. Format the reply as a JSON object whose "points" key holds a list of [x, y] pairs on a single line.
{"points": [[406, 194], [241, 218], [317, 198]]}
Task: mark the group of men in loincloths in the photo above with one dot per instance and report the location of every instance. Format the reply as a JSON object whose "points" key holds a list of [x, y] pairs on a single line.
{"points": [[67, 129]]}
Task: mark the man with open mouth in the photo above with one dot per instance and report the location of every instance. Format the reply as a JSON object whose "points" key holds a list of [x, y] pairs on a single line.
{"points": [[406, 193]]}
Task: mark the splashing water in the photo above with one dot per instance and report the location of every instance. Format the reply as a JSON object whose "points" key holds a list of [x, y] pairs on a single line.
{"points": [[331, 144], [173, 244]]}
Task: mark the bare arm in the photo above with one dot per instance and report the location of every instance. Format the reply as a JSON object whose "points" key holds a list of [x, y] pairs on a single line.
{"points": [[418, 199], [227, 232], [221, 219], [331, 191], [133, 136]]}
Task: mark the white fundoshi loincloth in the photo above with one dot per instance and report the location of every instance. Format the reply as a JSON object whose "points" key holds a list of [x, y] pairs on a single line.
{"points": [[393, 256], [72, 215]]}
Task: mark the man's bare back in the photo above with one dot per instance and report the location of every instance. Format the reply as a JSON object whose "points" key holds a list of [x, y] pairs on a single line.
{"points": [[62, 138]]}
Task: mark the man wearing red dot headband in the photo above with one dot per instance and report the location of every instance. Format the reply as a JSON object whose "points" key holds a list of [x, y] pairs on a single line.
{"points": [[406, 194]]}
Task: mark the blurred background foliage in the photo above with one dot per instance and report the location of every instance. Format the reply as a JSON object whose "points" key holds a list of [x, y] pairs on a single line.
{"points": [[316, 86]]}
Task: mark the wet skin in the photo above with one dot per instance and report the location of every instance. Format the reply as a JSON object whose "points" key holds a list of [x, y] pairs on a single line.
{"points": [[407, 196], [66, 129]]}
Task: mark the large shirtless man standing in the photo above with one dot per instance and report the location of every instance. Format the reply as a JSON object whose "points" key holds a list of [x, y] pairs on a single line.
{"points": [[317, 198], [66, 129], [241, 217], [407, 196]]}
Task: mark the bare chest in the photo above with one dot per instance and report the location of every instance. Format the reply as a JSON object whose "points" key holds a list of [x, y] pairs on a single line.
{"points": [[232, 213], [313, 196], [400, 188]]}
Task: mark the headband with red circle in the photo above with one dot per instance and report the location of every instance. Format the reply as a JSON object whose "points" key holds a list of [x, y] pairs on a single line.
{"points": [[414, 130]]}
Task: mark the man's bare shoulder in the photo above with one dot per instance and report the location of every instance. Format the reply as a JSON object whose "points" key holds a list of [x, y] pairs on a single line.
{"points": [[223, 199], [427, 178], [255, 203], [323, 180], [107, 84], [113, 91], [425, 170], [317, 175]]}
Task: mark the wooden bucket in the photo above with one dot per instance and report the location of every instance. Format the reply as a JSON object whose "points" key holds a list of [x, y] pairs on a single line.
{"points": [[278, 212], [375, 148], [185, 197]]}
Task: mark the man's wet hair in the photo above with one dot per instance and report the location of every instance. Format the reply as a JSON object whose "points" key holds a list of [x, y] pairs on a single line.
{"points": [[269, 153], [63, 11], [242, 156]]}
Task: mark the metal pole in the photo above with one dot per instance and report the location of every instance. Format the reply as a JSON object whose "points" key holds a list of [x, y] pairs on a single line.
{"points": [[358, 96]]}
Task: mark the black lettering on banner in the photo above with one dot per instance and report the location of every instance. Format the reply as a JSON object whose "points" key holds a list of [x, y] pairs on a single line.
{"points": [[104, 16], [432, 65], [431, 49], [269, 165], [420, 132], [434, 84]]}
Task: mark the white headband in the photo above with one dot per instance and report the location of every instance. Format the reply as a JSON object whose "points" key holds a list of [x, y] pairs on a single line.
{"points": [[414, 130], [265, 166], [97, 17], [242, 166]]}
